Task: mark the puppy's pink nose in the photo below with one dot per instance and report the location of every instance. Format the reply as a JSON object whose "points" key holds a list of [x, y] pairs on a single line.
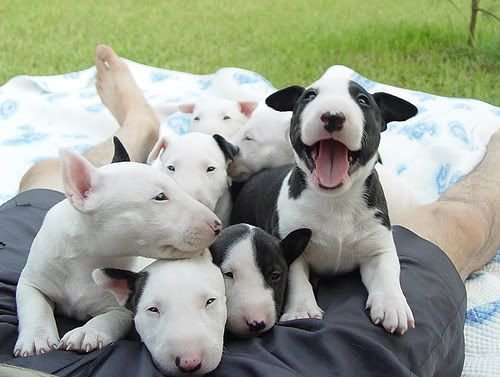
{"points": [[332, 122], [216, 226], [188, 363]]}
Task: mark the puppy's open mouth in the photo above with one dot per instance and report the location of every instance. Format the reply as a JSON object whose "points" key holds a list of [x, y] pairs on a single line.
{"points": [[333, 163]]}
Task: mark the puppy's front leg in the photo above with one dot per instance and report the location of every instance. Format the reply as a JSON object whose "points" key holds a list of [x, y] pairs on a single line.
{"points": [[301, 302], [37, 325], [386, 301], [99, 331]]}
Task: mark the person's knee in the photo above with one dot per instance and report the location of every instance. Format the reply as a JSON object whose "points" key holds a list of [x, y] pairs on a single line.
{"points": [[44, 174]]}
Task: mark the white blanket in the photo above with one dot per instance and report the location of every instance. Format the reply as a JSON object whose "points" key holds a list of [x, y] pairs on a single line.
{"points": [[431, 151]]}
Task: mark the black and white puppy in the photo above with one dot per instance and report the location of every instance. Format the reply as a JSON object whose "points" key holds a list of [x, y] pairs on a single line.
{"points": [[333, 190], [255, 268]]}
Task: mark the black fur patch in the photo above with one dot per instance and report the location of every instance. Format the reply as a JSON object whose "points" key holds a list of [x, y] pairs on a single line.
{"points": [[375, 198], [135, 282], [297, 183], [226, 239], [121, 154], [230, 150]]}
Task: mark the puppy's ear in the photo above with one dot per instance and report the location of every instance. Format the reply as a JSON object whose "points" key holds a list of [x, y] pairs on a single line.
{"points": [[186, 108], [230, 150], [284, 99], [80, 181], [121, 154], [394, 108], [126, 286], [294, 244], [247, 107], [160, 145]]}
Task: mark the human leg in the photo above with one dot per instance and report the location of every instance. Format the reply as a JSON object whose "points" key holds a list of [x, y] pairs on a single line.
{"points": [[139, 125]]}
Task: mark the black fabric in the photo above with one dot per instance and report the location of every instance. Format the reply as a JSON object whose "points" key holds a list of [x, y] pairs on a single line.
{"points": [[345, 343]]}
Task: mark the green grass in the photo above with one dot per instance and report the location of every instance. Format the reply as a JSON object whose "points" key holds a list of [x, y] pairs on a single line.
{"points": [[418, 44]]}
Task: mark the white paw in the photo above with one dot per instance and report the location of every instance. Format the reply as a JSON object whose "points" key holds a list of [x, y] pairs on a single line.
{"points": [[84, 339], [36, 342], [313, 311], [391, 311]]}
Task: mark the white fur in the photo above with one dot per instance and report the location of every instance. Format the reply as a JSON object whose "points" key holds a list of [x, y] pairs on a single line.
{"points": [[191, 155], [249, 300], [184, 325], [221, 116], [263, 142], [110, 215]]}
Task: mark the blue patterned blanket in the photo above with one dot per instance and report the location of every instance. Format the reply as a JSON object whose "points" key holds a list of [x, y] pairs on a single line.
{"points": [[432, 151]]}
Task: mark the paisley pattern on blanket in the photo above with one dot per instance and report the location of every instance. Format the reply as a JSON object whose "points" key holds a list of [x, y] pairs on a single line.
{"points": [[431, 151]]}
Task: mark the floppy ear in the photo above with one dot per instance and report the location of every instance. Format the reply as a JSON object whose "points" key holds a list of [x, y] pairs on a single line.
{"points": [[230, 150], [284, 99], [186, 108], [80, 180], [247, 107], [121, 154], [160, 145], [294, 244], [394, 108], [124, 284]]}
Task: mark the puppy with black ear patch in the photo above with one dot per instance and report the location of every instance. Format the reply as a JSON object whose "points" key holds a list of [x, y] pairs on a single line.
{"points": [[255, 268], [334, 190]]}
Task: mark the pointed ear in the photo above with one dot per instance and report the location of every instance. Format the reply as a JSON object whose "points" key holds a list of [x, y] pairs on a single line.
{"points": [[294, 244], [394, 108], [121, 154], [284, 99], [247, 107], [230, 150], [80, 180], [160, 145], [126, 286], [186, 108]]}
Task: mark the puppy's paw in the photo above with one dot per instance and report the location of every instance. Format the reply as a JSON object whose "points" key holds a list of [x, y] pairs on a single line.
{"points": [[391, 311], [36, 342], [84, 339], [302, 312]]}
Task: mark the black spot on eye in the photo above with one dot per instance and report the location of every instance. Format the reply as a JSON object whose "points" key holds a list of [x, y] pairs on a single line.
{"points": [[228, 274], [226, 117], [153, 309], [363, 100], [161, 196], [210, 168], [309, 95], [171, 167], [275, 276], [248, 138], [209, 301], [196, 118]]}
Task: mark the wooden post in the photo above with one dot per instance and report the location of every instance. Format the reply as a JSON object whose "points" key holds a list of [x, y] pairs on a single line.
{"points": [[472, 24]]}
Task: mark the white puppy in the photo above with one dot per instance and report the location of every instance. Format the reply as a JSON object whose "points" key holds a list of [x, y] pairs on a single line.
{"points": [[111, 214], [179, 311], [214, 115], [198, 163]]}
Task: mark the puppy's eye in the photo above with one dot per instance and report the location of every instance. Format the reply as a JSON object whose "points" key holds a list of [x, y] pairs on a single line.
{"points": [[275, 276], [228, 274], [248, 138], [196, 118], [153, 309], [210, 168], [209, 301], [310, 95], [171, 167], [161, 196], [363, 100], [226, 117]]}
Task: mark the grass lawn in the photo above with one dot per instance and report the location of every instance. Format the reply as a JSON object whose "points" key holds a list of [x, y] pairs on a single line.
{"points": [[418, 44]]}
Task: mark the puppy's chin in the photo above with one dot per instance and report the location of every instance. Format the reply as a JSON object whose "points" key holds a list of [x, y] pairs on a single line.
{"points": [[170, 252]]}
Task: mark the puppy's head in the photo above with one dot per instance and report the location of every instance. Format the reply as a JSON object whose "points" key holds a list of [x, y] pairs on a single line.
{"points": [[134, 209], [218, 115], [179, 311], [263, 142], [255, 268], [197, 162], [335, 129]]}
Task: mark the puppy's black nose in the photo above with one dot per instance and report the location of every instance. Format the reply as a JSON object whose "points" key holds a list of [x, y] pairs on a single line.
{"points": [[332, 122], [256, 326], [217, 227]]}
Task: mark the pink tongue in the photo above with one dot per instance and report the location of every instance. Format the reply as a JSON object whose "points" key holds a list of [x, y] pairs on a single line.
{"points": [[332, 163]]}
